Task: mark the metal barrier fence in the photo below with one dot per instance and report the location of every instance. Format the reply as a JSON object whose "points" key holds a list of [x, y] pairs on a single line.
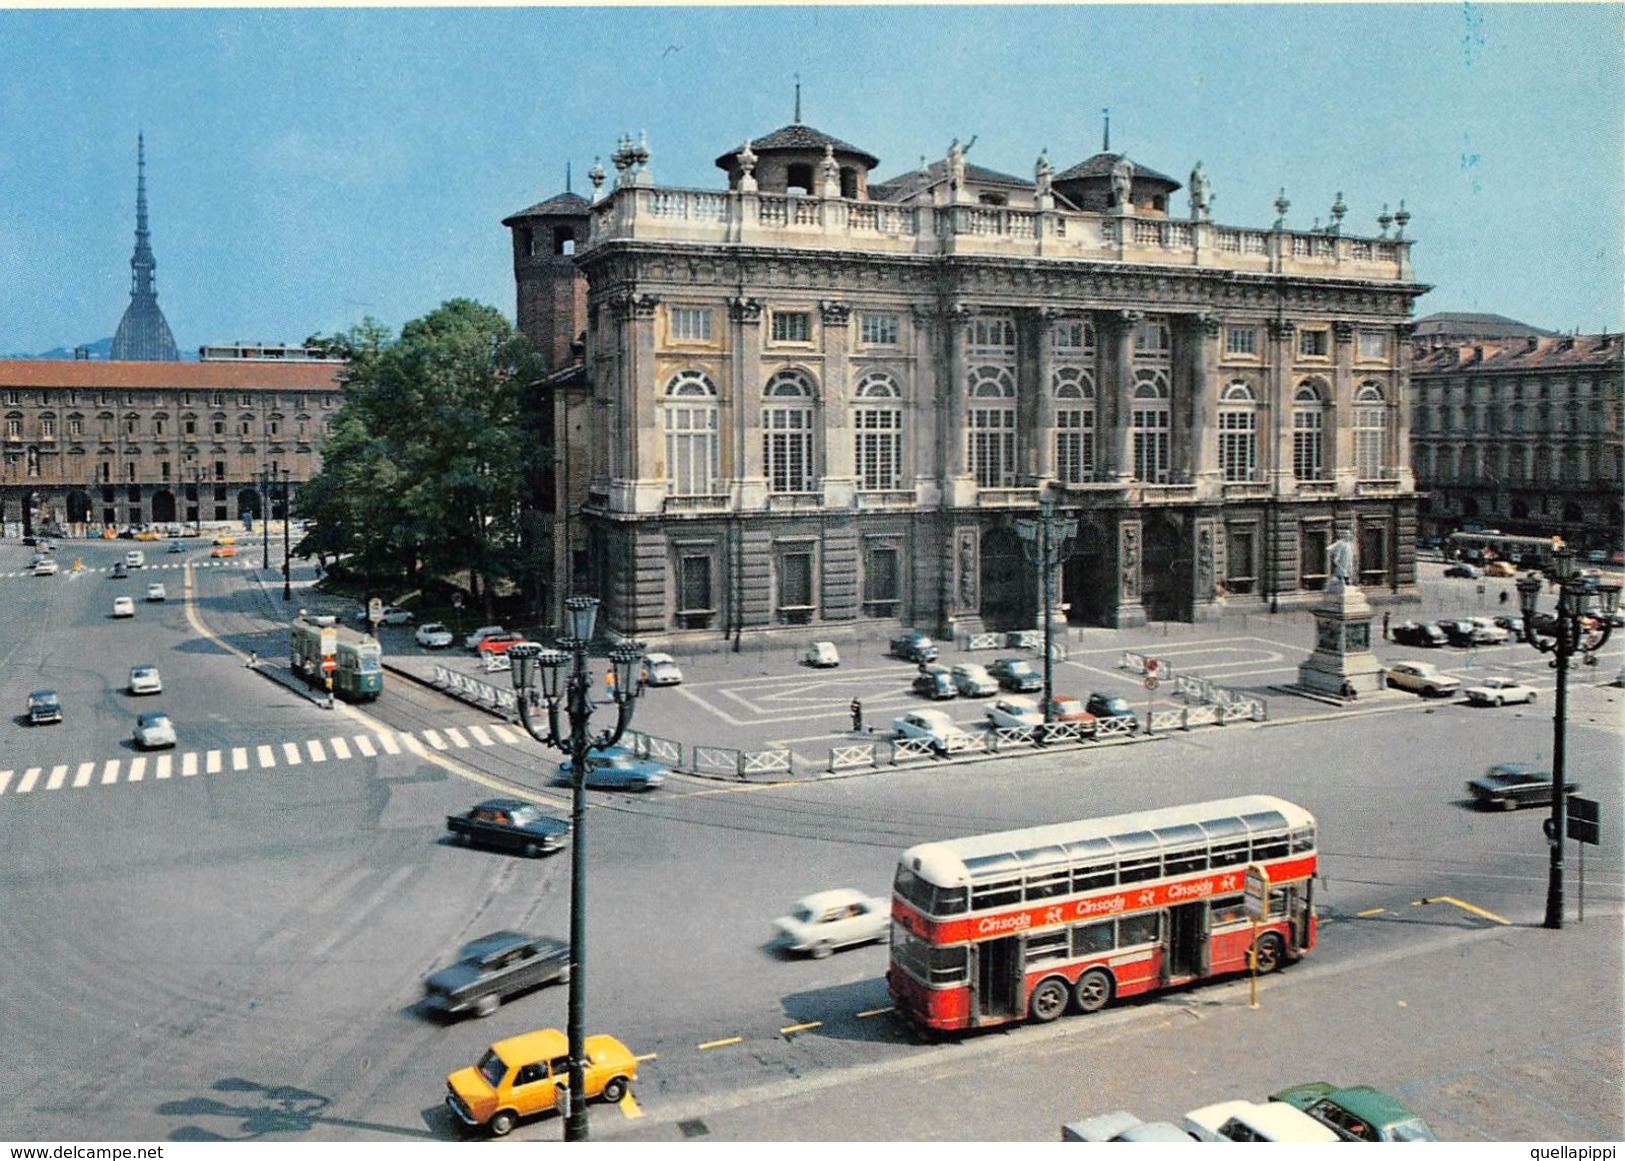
{"points": [[477, 692], [1109, 727], [908, 749], [854, 757], [1032, 640], [742, 764], [766, 762], [714, 760], [493, 662], [653, 748], [1237, 705]]}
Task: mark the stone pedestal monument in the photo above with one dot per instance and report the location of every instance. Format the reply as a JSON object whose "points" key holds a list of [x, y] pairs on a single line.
{"points": [[1342, 664]]}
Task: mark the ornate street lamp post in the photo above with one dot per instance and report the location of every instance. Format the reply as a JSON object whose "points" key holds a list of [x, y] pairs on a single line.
{"points": [[287, 508], [1570, 631], [536, 676], [1048, 543]]}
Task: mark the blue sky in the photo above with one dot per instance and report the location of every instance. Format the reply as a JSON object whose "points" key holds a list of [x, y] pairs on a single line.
{"points": [[308, 168]]}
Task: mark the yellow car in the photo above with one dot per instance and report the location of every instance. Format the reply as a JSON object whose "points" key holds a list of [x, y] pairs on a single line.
{"points": [[523, 1075], [147, 534], [1500, 568]]}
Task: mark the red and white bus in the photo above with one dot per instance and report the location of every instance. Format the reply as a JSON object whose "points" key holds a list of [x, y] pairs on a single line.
{"points": [[998, 927]]}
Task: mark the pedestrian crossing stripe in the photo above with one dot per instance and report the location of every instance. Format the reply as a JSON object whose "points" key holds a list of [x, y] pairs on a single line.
{"points": [[263, 756]]}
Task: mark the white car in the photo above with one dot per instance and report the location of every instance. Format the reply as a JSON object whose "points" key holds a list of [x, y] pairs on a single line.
{"points": [[1499, 691], [433, 635], [935, 728], [154, 731], [135, 558], [1250, 1121], [156, 593], [1487, 632], [145, 679], [472, 641], [821, 923], [1423, 678], [388, 615], [47, 567], [661, 669], [123, 607], [973, 681], [1015, 713], [821, 655]]}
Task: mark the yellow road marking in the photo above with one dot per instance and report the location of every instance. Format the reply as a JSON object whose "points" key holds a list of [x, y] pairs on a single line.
{"points": [[1454, 902], [629, 1106], [875, 1012], [647, 1056], [785, 1031], [722, 1043], [1370, 911]]}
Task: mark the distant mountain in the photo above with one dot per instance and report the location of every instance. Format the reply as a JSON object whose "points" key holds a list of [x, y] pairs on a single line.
{"points": [[99, 349]]}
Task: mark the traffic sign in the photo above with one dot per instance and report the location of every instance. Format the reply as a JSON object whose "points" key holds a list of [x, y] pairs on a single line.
{"points": [[328, 665], [1151, 683], [1256, 897], [1153, 667], [375, 610], [1584, 822]]}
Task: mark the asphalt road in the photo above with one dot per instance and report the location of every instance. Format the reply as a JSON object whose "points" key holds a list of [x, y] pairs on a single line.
{"points": [[238, 954]]}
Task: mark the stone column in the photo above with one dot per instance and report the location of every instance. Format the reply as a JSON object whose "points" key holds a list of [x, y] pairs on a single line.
{"points": [[1400, 406], [835, 407], [742, 406], [1280, 390], [1116, 392], [1343, 468], [1199, 358], [958, 485], [1038, 396]]}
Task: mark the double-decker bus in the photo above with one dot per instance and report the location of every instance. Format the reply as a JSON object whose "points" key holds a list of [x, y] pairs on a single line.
{"points": [[358, 666], [999, 927], [1483, 547]]}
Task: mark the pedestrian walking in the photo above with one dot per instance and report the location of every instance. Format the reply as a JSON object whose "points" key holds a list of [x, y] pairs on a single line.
{"points": [[857, 716], [253, 660], [1385, 626], [1503, 596]]}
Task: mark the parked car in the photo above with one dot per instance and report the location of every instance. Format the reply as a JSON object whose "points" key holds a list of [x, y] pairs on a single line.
{"points": [[1358, 1113], [472, 641], [1509, 785], [44, 707], [1422, 633], [615, 768], [1513, 626], [821, 655], [120, 571], [47, 567], [1597, 556], [935, 728], [1109, 705], [661, 669], [1013, 712], [176, 546], [154, 731], [433, 635], [145, 679], [510, 824], [387, 615], [520, 1077], [973, 680], [1123, 1125], [148, 534], [224, 540], [155, 592], [1250, 1121], [123, 607], [497, 643], [1500, 568], [1066, 708], [935, 682], [135, 558], [1465, 570], [1421, 677], [1016, 673], [915, 647], [1487, 632], [1499, 691], [495, 968], [829, 920]]}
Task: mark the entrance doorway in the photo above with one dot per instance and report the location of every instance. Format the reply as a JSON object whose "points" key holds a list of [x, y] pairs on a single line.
{"points": [[1165, 578], [1009, 587], [998, 977]]}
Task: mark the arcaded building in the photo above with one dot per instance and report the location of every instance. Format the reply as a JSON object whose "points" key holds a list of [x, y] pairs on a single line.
{"points": [[811, 402]]}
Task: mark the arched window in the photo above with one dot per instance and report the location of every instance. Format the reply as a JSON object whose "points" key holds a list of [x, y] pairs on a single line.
{"points": [[1238, 432], [877, 423], [693, 447], [1074, 425], [1308, 431], [1370, 432], [992, 426], [787, 432], [1152, 420]]}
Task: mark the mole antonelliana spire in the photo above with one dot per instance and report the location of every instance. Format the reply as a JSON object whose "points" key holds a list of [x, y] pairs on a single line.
{"points": [[143, 333]]}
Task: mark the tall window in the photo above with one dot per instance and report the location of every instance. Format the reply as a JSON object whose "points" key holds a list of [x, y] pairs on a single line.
{"points": [[1373, 344], [877, 422], [693, 450], [1074, 425], [1152, 339], [796, 585], [689, 324], [1314, 344], [877, 330], [992, 434], [1238, 432], [695, 604], [787, 433], [1370, 432], [1152, 420], [1242, 341], [1073, 338], [993, 336], [1308, 434], [882, 581], [791, 326]]}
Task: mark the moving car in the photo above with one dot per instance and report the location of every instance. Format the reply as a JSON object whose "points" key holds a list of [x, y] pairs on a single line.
{"points": [[145, 679], [1500, 568], [498, 643], [1109, 705], [973, 680], [156, 593], [915, 647], [1016, 673], [1421, 677], [1357, 1113], [44, 707], [821, 655], [510, 824], [1498, 691], [829, 920], [154, 731], [661, 669], [615, 768], [935, 728], [1250, 1121], [1462, 569], [221, 551], [495, 968], [123, 607], [224, 541], [1423, 633], [47, 567], [433, 635], [520, 1077], [1510, 785], [120, 570], [472, 641], [176, 546], [135, 558], [1015, 713], [387, 615], [935, 682], [1123, 1125]]}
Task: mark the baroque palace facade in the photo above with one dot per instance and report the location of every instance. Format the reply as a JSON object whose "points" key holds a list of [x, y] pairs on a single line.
{"points": [[814, 401]]}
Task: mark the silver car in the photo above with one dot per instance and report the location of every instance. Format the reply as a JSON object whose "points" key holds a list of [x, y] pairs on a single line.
{"points": [[145, 679], [154, 731], [821, 923]]}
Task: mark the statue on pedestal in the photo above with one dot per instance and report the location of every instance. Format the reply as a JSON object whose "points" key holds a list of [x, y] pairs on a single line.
{"points": [[1340, 563]]}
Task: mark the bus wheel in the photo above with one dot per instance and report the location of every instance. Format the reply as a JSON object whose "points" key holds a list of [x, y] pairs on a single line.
{"points": [[1094, 990], [1271, 953], [1049, 1000]]}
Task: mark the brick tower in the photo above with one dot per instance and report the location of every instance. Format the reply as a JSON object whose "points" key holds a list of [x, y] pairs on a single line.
{"points": [[552, 293]]}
